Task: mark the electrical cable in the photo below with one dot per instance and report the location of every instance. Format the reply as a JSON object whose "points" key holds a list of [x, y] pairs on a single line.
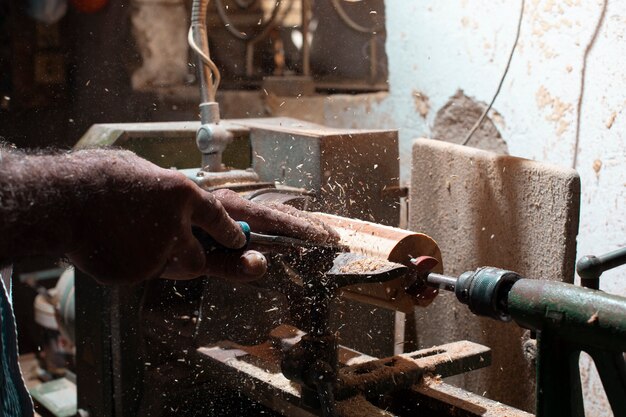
{"points": [[209, 80], [199, 11], [351, 23], [506, 70], [215, 72], [221, 11]]}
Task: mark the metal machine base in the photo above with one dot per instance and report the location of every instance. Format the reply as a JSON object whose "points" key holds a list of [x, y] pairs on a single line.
{"points": [[366, 386]]}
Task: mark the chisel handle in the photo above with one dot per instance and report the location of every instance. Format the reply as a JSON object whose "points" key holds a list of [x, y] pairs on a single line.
{"points": [[210, 244]]}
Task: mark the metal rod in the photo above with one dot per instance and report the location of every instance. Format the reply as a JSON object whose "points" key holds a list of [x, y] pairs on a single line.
{"points": [[249, 59], [613, 259], [590, 267], [272, 240], [442, 281], [306, 53]]}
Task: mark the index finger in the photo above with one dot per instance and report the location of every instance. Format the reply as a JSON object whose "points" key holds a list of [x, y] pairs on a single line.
{"points": [[209, 214], [278, 218]]}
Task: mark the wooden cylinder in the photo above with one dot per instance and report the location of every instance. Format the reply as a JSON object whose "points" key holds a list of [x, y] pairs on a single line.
{"points": [[392, 244]]}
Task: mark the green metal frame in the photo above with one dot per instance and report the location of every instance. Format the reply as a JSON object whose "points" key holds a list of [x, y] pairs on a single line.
{"points": [[570, 320]]}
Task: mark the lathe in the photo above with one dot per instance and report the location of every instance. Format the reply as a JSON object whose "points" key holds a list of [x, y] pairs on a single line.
{"points": [[280, 342], [285, 345]]}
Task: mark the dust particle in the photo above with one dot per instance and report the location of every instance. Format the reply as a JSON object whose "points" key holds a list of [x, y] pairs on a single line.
{"points": [[593, 318]]}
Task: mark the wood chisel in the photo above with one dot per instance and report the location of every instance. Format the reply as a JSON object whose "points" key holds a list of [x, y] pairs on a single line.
{"points": [[209, 243]]}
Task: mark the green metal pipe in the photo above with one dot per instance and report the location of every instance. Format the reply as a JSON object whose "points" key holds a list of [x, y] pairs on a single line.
{"points": [[567, 319], [574, 314]]}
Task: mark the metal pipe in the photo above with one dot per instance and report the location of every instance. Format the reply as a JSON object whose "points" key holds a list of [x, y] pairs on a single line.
{"points": [[581, 316], [210, 138]]}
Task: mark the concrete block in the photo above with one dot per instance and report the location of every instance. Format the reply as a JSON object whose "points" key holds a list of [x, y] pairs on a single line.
{"points": [[488, 209]]}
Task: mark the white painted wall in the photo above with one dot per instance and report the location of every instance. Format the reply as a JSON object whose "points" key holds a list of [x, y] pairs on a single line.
{"points": [[436, 47]]}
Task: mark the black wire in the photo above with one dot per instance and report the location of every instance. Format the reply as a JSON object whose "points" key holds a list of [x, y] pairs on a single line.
{"points": [[506, 70], [228, 24]]}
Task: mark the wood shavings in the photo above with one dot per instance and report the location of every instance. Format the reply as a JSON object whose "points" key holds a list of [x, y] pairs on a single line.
{"points": [[432, 379], [364, 265], [611, 120], [593, 318]]}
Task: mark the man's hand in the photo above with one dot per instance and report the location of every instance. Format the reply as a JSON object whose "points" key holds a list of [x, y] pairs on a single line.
{"points": [[276, 218], [139, 227], [122, 219]]}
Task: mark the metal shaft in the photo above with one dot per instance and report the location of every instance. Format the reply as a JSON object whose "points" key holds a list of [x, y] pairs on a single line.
{"points": [[484, 291], [442, 281]]}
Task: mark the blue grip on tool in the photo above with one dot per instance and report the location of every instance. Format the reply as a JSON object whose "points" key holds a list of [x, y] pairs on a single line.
{"points": [[210, 244]]}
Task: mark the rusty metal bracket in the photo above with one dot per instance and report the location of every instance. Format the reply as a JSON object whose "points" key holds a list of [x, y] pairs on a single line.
{"points": [[385, 375], [445, 399], [254, 370]]}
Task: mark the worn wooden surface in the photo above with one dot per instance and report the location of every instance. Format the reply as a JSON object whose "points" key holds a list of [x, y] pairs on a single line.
{"points": [[486, 209], [392, 244]]}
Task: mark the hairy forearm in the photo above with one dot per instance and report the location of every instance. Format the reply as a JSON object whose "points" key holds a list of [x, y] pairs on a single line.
{"points": [[122, 219], [42, 198]]}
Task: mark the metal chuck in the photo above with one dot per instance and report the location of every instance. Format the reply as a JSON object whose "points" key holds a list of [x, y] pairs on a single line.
{"points": [[485, 291]]}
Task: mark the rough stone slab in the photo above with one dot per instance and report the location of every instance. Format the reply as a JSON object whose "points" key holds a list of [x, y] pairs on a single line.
{"points": [[488, 209]]}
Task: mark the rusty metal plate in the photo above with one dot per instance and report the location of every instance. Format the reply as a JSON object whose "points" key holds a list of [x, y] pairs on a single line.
{"points": [[450, 400], [407, 369], [254, 371]]}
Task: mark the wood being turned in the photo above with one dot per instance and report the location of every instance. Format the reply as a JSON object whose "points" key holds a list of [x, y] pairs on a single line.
{"points": [[392, 244]]}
